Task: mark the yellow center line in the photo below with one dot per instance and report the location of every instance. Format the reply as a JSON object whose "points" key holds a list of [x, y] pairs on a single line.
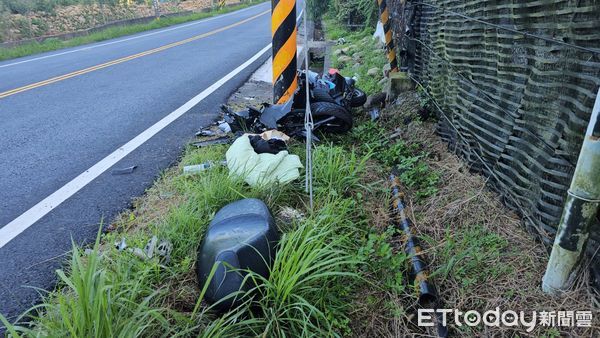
{"points": [[125, 59]]}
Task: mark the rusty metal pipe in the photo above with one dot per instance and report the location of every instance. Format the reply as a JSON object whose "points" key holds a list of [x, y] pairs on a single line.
{"points": [[581, 207]]}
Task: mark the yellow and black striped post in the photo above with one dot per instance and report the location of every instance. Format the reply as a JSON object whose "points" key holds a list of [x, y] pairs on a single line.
{"points": [[387, 29], [283, 30]]}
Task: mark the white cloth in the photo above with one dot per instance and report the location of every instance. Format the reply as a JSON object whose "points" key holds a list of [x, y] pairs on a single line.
{"points": [[261, 169]]}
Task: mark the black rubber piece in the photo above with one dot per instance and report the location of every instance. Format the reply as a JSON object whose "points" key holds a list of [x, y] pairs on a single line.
{"points": [[322, 95], [358, 98], [241, 237], [324, 110]]}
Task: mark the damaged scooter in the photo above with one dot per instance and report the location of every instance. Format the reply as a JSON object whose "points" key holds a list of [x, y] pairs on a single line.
{"points": [[333, 87], [332, 96]]}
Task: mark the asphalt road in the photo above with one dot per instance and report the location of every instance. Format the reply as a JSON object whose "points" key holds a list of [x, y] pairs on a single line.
{"points": [[73, 107]]}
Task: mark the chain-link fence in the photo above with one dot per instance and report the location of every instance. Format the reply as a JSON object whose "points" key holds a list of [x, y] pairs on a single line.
{"points": [[514, 83]]}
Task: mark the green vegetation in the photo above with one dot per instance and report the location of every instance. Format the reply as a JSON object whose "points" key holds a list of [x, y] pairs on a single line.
{"points": [[112, 32], [359, 54], [407, 158], [472, 256], [371, 137], [323, 263], [26, 6], [357, 13]]}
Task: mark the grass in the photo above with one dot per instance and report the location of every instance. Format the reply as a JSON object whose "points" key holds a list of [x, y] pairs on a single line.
{"points": [[323, 262], [112, 32]]}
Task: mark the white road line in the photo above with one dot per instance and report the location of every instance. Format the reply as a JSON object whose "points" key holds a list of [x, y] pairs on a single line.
{"points": [[130, 38], [29, 217]]}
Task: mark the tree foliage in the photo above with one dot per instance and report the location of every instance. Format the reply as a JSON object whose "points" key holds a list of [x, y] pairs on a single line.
{"points": [[352, 13]]}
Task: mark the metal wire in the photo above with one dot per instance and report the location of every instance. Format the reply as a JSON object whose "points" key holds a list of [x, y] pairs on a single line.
{"points": [[308, 119]]}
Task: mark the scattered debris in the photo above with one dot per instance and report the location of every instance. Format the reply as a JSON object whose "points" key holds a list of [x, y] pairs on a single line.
{"points": [[163, 250], [121, 245], [374, 114], [150, 247], [340, 41], [224, 127], [123, 171], [396, 134], [110, 228], [262, 146], [274, 134], [154, 248], [379, 33], [206, 143], [207, 132], [196, 168], [376, 100], [290, 215]]}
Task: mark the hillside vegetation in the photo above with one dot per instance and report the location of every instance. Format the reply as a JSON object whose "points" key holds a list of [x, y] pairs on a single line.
{"points": [[25, 19]]}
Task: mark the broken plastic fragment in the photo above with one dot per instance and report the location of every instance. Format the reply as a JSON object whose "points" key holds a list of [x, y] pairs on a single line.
{"points": [[121, 245], [124, 171], [225, 127], [374, 114], [220, 140], [151, 246]]}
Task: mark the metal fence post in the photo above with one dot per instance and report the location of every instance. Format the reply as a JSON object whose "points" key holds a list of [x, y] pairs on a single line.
{"points": [[580, 209], [387, 30], [283, 30]]}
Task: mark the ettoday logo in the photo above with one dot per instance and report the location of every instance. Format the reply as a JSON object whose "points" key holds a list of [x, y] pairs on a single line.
{"points": [[509, 318]]}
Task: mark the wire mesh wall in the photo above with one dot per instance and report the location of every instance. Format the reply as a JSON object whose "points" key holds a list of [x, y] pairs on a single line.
{"points": [[515, 83]]}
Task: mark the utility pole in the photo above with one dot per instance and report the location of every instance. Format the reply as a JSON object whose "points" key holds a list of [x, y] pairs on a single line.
{"points": [[283, 30], [579, 212]]}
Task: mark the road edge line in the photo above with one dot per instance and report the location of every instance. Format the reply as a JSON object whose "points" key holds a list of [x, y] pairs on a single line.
{"points": [[45, 206], [121, 38]]}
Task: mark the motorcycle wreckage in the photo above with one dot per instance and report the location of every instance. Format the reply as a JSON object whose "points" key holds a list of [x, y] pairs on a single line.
{"points": [[331, 98]]}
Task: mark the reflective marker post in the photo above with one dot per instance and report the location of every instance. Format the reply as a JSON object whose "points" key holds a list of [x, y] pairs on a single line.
{"points": [[387, 30], [283, 30]]}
